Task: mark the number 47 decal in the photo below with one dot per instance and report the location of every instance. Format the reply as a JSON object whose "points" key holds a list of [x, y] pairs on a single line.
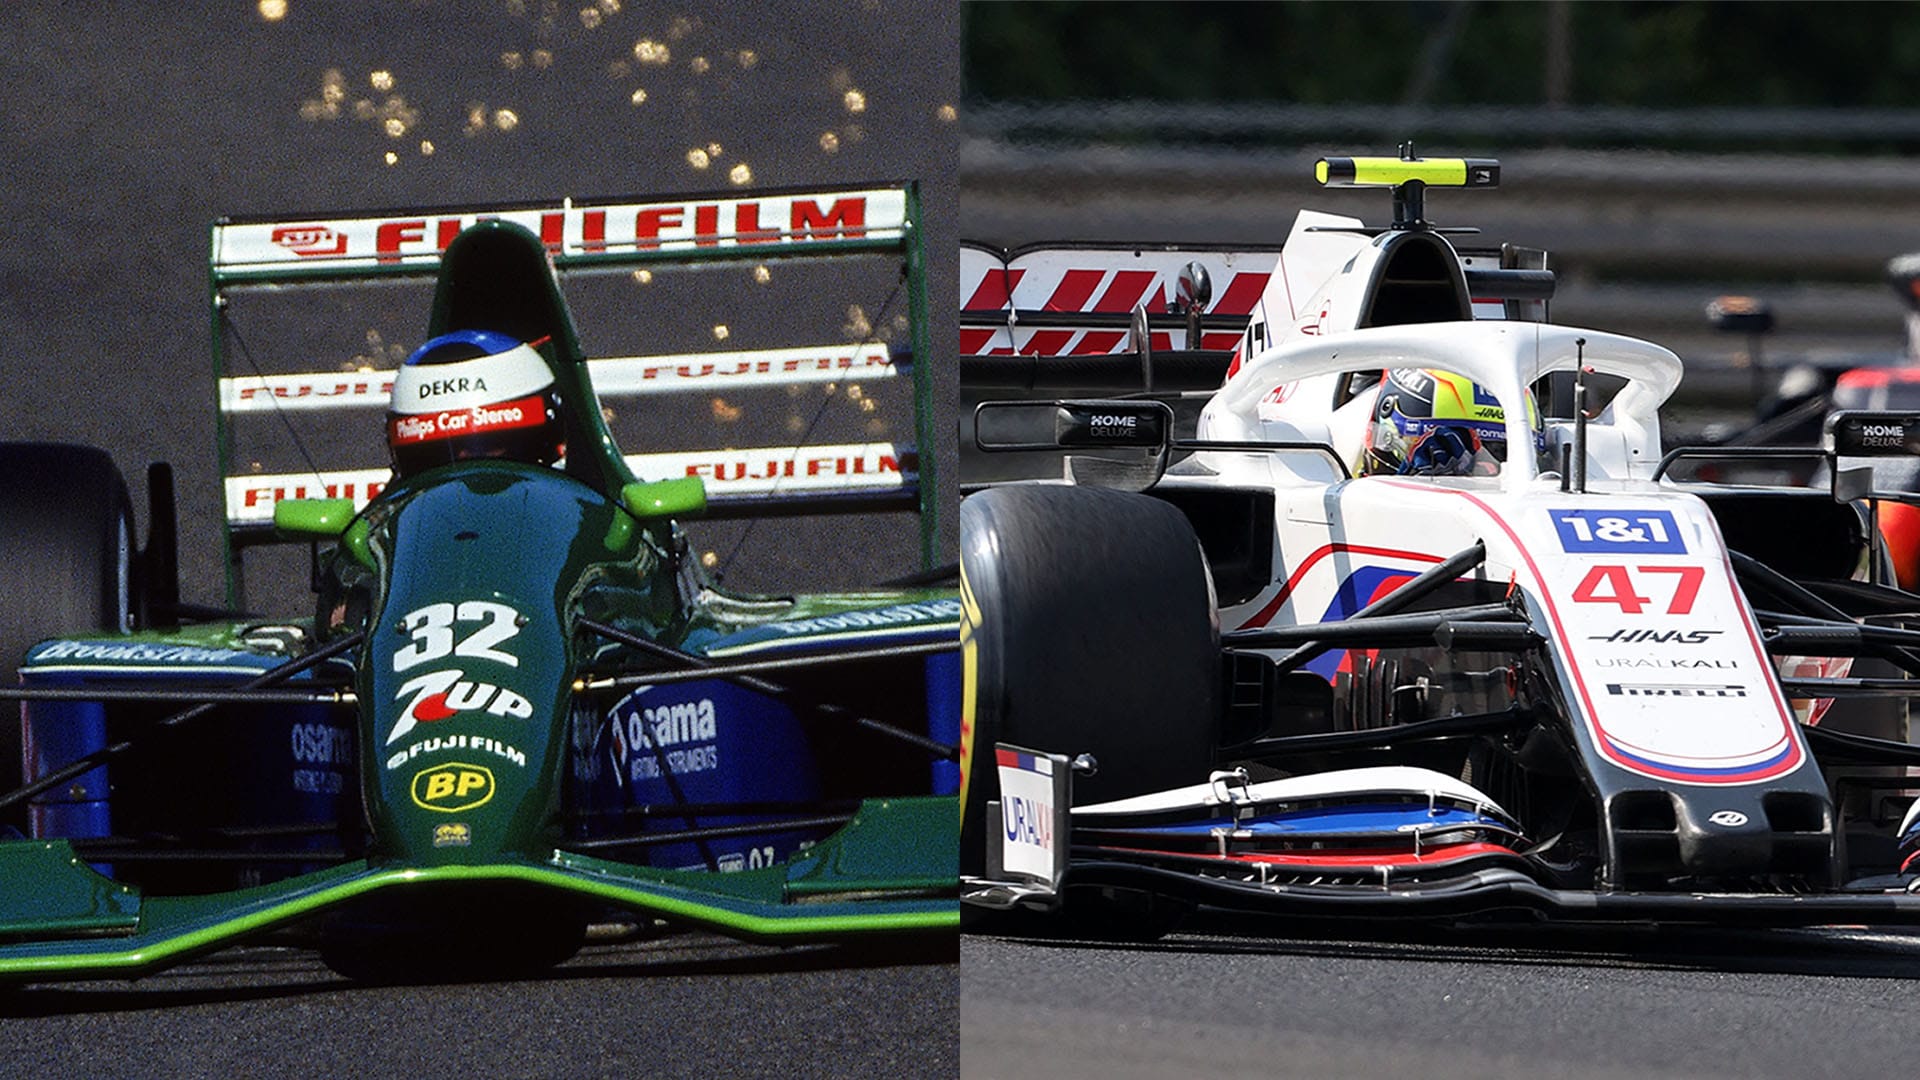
{"points": [[1615, 585]]}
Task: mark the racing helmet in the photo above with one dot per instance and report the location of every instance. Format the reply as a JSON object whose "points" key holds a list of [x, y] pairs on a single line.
{"points": [[472, 394], [1436, 423]]}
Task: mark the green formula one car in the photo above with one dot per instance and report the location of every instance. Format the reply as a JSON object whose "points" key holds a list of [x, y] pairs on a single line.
{"points": [[518, 704]]}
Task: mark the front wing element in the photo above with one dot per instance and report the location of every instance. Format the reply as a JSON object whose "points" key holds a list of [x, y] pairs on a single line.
{"points": [[1494, 888], [880, 874]]}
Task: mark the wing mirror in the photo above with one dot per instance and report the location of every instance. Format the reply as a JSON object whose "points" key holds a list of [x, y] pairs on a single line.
{"points": [[1192, 291], [313, 519], [683, 496]]}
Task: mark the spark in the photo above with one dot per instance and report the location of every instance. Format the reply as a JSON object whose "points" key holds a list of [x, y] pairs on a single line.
{"points": [[714, 149], [591, 18], [392, 158], [273, 10], [856, 101], [721, 333], [700, 65], [747, 58], [697, 158], [829, 142], [648, 51], [543, 58], [724, 412], [511, 60], [505, 119], [709, 560], [426, 147], [381, 81], [946, 114], [740, 174], [762, 275], [333, 90], [639, 97], [643, 277]]}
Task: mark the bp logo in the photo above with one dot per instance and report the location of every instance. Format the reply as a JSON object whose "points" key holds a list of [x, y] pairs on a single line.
{"points": [[452, 787]]}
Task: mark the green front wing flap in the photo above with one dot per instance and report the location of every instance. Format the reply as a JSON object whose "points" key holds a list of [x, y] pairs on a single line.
{"points": [[887, 871]]}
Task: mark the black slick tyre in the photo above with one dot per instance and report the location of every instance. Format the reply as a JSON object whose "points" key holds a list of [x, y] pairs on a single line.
{"points": [[66, 557], [1088, 626]]}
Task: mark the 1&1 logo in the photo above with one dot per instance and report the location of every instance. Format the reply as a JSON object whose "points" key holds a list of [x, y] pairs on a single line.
{"points": [[452, 787]]}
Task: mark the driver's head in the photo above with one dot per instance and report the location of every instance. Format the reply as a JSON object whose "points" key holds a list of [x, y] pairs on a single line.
{"points": [[1433, 423], [471, 394]]}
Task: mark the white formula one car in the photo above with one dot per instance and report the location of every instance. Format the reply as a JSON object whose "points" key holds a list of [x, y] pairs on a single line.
{"points": [[1424, 623]]}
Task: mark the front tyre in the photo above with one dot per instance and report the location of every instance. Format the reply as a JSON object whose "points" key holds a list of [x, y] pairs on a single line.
{"points": [[1088, 626], [66, 559]]}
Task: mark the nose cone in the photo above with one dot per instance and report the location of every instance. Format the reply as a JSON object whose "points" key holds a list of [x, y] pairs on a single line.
{"points": [[468, 676]]}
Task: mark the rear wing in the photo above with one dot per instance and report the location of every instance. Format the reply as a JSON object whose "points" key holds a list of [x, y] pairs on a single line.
{"points": [[1077, 299], [772, 344], [1062, 305]]}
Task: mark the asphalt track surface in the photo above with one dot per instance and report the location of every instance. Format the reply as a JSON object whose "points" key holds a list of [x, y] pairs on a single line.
{"points": [[685, 1005], [130, 127], [1226, 997]]}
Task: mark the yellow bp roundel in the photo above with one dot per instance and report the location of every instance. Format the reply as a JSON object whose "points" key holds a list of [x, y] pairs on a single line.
{"points": [[452, 787]]}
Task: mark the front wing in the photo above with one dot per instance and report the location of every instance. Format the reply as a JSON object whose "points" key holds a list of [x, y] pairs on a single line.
{"points": [[60, 919], [1458, 865]]}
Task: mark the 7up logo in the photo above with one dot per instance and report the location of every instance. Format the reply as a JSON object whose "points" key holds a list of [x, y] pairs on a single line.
{"points": [[439, 695], [474, 628]]}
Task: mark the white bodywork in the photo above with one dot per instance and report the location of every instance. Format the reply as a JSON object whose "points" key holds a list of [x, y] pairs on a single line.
{"points": [[1629, 581]]}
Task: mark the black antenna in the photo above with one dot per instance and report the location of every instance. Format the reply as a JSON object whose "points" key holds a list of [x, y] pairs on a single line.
{"points": [[1580, 415], [1410, 196]]}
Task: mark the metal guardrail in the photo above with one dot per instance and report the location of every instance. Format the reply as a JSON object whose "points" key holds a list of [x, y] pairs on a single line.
{"points": [[1248, 120]]}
